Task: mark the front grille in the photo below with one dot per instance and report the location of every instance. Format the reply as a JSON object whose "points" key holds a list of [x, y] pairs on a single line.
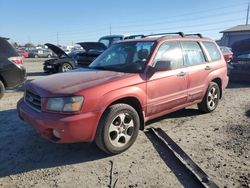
{"points": [[33, 100]]}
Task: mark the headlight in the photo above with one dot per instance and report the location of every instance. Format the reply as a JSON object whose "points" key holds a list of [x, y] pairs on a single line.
{"points": [[65, 104]]}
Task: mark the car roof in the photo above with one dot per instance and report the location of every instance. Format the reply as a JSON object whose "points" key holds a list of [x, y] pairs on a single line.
{"points": [[4, 38]]}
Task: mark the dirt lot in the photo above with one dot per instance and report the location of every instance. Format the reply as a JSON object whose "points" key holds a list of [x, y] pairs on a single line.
{"points": [[218, 142]]}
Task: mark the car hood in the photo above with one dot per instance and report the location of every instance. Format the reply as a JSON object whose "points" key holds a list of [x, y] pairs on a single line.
{"points": [[69, 83], [58, 51], [92, 46]]}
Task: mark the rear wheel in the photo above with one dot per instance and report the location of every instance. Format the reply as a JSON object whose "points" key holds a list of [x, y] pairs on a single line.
{"points": [[49, 56], [117, 129], [2, 89], [65, 67], [211, 99]]}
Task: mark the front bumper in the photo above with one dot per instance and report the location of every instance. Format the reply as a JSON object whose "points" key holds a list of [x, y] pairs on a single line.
{"points": [[72, 128]]}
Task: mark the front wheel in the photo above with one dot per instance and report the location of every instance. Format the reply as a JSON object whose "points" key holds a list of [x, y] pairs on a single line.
{"points": [[65, 67], [117, 129], [211, 99]]}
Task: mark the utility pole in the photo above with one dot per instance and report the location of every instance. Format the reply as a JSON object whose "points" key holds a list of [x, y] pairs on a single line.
{"points": [[247, 14], [57, 38], [110, 29]]}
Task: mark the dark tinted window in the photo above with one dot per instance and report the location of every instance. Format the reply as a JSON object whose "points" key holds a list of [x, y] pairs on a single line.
{"points": [[212, 50], [192, 53], [244, 56], [6, 50], [170, 51]]}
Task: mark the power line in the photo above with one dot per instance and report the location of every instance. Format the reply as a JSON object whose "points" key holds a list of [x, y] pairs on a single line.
{"points": [[191, 26], [155, 24], [162, 20]]}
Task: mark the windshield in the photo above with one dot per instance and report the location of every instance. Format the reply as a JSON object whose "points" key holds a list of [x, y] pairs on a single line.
{"points": [[124, 57]]}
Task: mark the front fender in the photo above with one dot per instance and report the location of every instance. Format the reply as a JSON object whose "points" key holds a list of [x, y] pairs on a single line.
{"points": [[137, 92]]}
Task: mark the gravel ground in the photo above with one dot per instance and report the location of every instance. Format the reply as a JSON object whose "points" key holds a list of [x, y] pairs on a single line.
{"points": [[218, 142]]}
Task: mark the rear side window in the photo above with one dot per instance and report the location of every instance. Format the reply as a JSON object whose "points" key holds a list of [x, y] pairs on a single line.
{"points": [[6, 50], [193, 54], [212, 50], [170, 51]]}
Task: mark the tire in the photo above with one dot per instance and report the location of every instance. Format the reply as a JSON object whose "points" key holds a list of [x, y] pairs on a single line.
{"points": [[117, 129], [65, 67], [49, 56], [211, 99], [36, 56], [2, 89]]}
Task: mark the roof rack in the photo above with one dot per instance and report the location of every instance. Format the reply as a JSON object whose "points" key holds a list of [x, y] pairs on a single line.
{"points": [[195, 34], [164, 34], [134, 36], [175, 33]]}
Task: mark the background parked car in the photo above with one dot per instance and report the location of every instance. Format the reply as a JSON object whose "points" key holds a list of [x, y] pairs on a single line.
{"points": [[111, 39], [81, 58], [227, 53], [239, 69], [12, 71], [23, 53], [66, 62], [41, 53]]}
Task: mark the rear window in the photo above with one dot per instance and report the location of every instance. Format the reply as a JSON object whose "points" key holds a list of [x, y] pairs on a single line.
{"points": [[212, 50], [192, 53], [6, 50]]}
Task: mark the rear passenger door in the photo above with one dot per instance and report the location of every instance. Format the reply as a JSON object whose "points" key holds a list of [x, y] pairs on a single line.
{"points": [[198, 69], [167, 89]]}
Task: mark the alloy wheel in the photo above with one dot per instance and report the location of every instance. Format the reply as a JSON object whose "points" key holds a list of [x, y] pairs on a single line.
{"points": [[66, 67], [121, 130], [212, 98]]}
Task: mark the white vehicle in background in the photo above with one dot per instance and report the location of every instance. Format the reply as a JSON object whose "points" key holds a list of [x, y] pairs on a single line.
{"points": [[111, 39]]}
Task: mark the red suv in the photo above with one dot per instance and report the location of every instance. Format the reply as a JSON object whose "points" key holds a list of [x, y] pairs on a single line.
{"points": [[130, 83]]}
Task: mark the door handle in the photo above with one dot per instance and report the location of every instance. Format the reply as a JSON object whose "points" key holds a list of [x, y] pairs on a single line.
{"points": [[181, 73], [207, 68]]}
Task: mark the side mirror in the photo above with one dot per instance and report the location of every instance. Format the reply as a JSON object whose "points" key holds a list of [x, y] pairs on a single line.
{"points": [[162, 66]]}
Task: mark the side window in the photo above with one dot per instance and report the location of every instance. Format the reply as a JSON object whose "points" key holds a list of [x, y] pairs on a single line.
{"points": [[105, 42], [170, 51], [192, 53], [212, 50]]}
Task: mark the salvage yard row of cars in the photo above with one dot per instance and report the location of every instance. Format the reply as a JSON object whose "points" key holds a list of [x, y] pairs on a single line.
{"points": [[129, 82]]}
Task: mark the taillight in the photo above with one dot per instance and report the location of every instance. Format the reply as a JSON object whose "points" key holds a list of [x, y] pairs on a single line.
{"points": [[16, 60]]}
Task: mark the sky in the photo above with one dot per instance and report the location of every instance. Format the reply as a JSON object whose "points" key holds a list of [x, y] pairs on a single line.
{"points": [[70, 21]]}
